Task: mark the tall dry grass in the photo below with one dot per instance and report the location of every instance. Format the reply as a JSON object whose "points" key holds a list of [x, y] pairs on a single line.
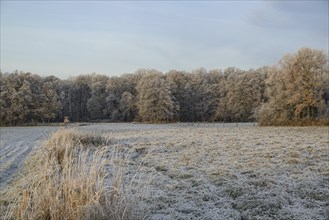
{"points": [[68, 178]]}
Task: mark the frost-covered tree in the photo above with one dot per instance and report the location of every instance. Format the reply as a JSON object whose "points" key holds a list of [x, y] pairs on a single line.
{"points": [[297, 88], [155, 102], [21, 99], [228, 95], [112, 107], [50, 106], [177, 81], [96, 104], [240, 94], [128, 106], [5, 102], [79, 96], [115, 89], [198, 101]]}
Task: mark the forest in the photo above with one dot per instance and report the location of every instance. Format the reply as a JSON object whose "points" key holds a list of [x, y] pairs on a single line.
{"points": [[295, 91]]}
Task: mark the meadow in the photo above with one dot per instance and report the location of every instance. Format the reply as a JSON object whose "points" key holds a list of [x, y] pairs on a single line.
{"points": [[165, 171]]}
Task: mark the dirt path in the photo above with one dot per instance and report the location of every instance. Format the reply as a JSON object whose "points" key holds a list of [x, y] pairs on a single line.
{"points": [[15, 144]]}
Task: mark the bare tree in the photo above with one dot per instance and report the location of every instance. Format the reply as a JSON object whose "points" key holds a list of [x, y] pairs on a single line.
{"points": [[296, 88], [155, 103]]}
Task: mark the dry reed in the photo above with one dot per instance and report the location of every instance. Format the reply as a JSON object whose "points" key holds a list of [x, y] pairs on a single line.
{"points": [[68, 178]]}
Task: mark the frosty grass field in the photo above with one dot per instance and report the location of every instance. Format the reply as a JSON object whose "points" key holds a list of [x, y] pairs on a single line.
{"points": [[207, 171]]}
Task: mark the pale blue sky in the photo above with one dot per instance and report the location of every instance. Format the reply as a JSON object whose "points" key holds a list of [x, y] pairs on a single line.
{"points": [[68, 38]]}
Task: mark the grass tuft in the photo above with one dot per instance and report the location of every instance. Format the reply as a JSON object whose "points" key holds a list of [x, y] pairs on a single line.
{"points": [[68, 178]]}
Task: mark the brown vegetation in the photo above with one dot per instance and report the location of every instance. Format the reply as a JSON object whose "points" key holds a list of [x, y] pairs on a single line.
{"points": [[295, 89], [298, 90], [66, 180], [203, 170]]}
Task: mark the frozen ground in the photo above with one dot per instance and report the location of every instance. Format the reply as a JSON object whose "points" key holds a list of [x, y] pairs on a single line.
{"points": [[15, 144], [216, 171], [213, 171]]}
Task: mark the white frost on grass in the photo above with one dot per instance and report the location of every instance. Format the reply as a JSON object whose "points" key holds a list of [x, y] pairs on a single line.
{"points": [[15, 144], [221, 171]]}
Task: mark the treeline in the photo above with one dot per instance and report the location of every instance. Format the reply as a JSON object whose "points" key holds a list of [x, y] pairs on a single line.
{"points": [[295, 91]]}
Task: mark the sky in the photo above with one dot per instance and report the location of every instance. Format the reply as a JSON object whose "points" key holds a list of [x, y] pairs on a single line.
{"points": [[69, 38]]}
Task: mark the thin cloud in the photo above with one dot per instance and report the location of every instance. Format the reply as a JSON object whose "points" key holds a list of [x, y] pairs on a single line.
{"points": [[292, 15], [120, 37]]}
